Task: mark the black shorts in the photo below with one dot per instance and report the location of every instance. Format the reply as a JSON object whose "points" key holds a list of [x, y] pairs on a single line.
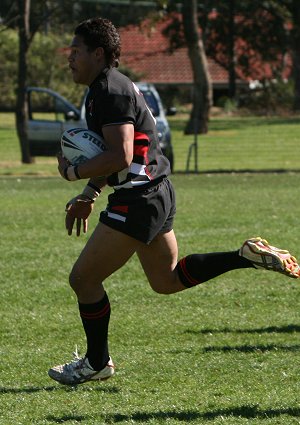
{"points": [[141, 214]]}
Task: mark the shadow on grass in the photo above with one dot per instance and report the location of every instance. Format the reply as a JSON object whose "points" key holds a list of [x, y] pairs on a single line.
{"points": [[252, 348], [65, 418], [270, 329], [33, 390], [248, 412]]}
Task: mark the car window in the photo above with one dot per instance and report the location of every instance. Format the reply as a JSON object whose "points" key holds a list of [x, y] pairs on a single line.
{"points": [[151, 102], [43, 106]]}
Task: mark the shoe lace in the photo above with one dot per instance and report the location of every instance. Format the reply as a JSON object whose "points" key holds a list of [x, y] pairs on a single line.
{"points": [[77, 361], [76, 353]]}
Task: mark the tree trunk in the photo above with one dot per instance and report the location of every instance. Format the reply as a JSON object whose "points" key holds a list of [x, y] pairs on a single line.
{"points": [[21, 103], [199, 118], [296, 53], [231, 53]]}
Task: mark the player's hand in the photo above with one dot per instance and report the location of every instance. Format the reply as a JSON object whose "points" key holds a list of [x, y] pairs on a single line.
{"points": [[62, 164], [78, 209]]}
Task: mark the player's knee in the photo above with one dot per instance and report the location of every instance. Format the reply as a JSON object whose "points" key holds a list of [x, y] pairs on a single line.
{"points": [[160, 288], [165, 285], [75, 279]]}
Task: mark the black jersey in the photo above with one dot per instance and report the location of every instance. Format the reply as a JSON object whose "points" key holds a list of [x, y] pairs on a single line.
{"points": [[115, 99]]}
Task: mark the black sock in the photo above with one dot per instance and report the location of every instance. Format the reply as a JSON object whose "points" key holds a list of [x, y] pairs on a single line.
{"points": [[198, 268], [95, 320]]}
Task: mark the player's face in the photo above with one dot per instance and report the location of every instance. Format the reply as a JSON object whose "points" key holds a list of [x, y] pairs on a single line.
{"points": [[84, 64]]}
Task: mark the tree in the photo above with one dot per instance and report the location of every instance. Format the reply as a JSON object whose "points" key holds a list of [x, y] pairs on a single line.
{"points": [[27, 16], [284, 35], [294, 8], [20, 16], [21, 105], [251, 38], [184, 30], [247, 38], [231, 49], [198, 121], [243, 34]]}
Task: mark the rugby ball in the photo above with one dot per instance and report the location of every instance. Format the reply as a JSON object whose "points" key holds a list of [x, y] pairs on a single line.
{"points": [[80, 144]]}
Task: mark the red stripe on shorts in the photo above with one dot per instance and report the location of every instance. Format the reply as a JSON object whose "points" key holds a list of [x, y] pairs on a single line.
{"points": [[120, 208]]}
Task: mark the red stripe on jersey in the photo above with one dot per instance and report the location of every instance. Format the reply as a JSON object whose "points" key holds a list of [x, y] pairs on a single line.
{"points": [[120, 208], [140, 136], [141, 151]]}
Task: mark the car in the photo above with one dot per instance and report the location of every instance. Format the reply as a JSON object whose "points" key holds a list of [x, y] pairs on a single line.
{"points": [[50, 114]]}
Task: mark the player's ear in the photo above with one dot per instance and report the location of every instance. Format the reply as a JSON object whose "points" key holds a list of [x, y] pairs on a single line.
{"points": [[99, 53]]}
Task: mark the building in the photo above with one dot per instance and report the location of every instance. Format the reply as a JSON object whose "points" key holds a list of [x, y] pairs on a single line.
{"points": [[146, 51]]}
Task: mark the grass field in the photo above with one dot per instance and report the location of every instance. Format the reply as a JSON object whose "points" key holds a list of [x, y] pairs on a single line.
{"points": [[223, 353], [232, 144]]}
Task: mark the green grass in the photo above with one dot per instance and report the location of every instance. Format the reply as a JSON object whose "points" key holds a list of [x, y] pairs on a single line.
{"points": [[232, 144], [240, 143], [222, 353], [225, 352]]}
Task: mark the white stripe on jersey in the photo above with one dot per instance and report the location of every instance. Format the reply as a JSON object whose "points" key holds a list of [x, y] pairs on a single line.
{"points": [[138, 169], [116, 216], [134, 168]]}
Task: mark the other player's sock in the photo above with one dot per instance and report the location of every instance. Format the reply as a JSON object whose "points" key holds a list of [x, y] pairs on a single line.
{"points": [[95, 320], [198, 268]]}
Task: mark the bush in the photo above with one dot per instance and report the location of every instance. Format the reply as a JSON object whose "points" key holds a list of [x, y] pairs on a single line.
{"points": [[47, 66], [227, 104], [271, 97], [8, 68]]}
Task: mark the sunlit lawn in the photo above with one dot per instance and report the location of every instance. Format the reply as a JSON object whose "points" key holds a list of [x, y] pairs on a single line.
{"points": [[232, 144], [223, 353], [226, 352]]}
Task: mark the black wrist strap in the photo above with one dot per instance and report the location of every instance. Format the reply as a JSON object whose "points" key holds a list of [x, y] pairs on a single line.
{"points": [[66, 173], [76, 172]]}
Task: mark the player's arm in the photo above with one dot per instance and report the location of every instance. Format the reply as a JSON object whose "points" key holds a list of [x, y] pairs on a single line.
{"points": [[93, 188], [119, 154], [79, 208], [119, 141]]}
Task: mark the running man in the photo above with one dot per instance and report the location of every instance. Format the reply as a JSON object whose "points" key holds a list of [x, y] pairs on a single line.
{"points": [[141, 208]]}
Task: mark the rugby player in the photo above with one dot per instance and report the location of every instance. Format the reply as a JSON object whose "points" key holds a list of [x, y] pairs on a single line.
{"points": [[141, 207]]}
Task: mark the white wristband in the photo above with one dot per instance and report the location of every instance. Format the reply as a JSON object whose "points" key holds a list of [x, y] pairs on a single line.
{"points": [[91, 191], [71, 173]]}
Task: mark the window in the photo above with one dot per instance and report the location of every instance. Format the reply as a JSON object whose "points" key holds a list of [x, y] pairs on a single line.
{"points": [[151, 102]]}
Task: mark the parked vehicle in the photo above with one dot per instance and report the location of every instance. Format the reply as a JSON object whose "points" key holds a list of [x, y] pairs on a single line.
{"points": [[50, 115]]}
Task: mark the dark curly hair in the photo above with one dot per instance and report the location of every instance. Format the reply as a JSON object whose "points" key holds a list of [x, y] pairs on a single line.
{"points": [[100, 32]]}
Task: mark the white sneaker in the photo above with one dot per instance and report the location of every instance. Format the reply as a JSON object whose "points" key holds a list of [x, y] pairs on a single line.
{"points": [[79, 371], [268, 257]]}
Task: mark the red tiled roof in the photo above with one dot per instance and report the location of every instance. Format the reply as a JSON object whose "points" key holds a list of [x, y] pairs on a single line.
{"points": [[146, 51]]}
